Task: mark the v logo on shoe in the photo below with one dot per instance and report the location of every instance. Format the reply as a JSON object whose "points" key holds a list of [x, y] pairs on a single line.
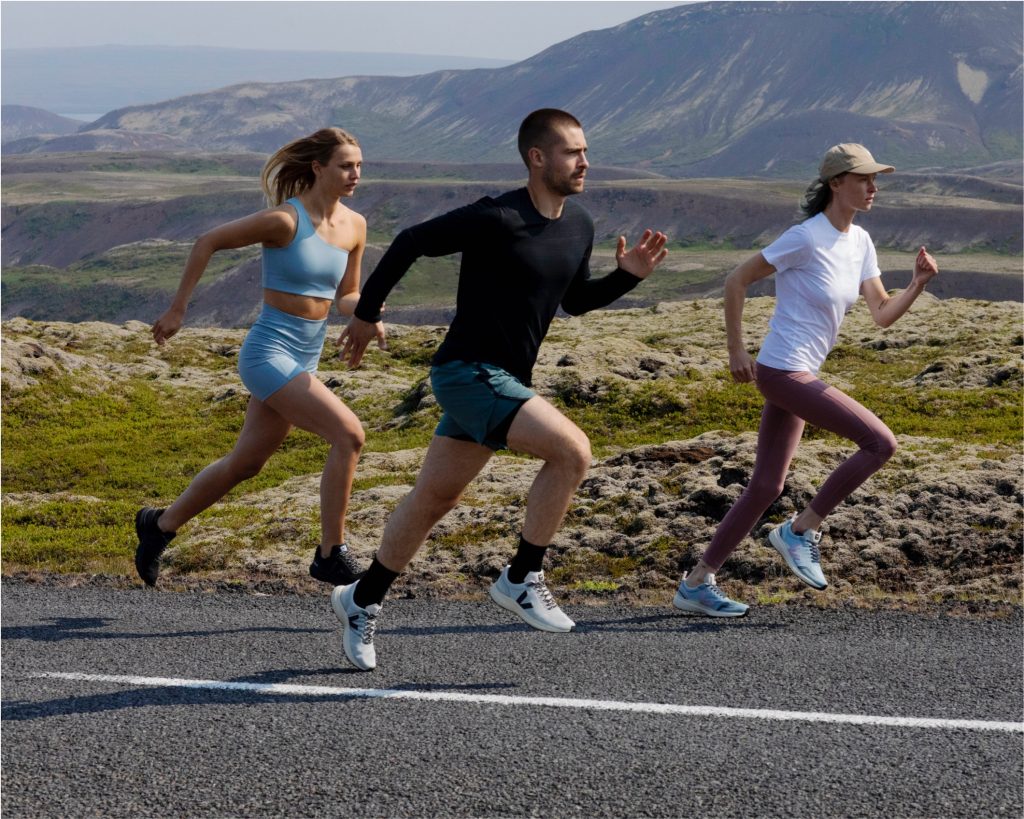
{"points": [[520, 600], [353, 621]]}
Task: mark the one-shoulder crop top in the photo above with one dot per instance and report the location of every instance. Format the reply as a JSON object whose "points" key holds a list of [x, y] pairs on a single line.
{"points": [[308, 265]]}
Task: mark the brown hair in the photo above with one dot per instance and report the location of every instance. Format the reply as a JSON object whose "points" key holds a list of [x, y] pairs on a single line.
{"points": [[538, 129], [817, 196], [289, 171]]}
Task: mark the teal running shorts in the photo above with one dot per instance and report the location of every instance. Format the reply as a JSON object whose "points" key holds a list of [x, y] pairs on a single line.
{"points": [[479, 401]]}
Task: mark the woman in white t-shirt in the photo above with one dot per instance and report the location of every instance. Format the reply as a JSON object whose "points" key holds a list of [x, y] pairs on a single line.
{"points": [[821, 267]]}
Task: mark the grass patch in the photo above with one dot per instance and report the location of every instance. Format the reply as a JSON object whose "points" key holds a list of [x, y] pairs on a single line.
{"points": [[472, 535], [70, 536], [617, 415], [155, 264], [430, 282], [140, 441], [595, 567], [392, 479], [596, 586]]}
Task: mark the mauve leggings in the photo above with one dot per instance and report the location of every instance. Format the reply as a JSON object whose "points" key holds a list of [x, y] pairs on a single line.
{"points": [[791, 399]]}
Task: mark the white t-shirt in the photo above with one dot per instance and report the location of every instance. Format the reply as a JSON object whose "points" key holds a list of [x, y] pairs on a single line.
{"points": [[818, 273]]}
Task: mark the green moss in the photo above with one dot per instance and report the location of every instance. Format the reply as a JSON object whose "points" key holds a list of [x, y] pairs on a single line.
{"points": [[595, 586], [592, 567], [138, 441], [69, 536], [618, 415], [471, 535]]}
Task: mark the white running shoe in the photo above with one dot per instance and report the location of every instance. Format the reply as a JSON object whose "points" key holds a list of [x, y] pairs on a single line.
{"points": [[800, 552], [708, 599], [358, 625], [532, 601]]}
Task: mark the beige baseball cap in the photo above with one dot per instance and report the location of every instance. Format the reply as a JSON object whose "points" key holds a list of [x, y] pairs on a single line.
{"points": [[849, 157]]}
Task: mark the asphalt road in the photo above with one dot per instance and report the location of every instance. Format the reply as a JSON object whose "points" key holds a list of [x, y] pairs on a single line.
{"points": [[145, 741]]}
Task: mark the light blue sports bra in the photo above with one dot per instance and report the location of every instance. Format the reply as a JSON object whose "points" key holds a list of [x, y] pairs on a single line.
{"points": [[308, 266]]}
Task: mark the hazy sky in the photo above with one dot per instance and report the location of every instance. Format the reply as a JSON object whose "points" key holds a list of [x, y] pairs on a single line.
{"points": [[473, 28]]}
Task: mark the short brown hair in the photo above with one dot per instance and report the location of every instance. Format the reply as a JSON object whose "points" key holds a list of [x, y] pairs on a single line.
{"points": [[538, 129], [290, 170]]}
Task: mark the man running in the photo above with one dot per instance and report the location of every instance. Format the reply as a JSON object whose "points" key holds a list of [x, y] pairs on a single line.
{"points": [[524, 253]]}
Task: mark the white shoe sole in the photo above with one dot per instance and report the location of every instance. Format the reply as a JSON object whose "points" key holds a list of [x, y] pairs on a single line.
{"points": [[515, 608], [780, 546], [683, 604]]}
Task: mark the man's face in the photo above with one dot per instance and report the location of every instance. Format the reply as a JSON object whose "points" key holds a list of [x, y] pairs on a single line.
{"points": [[565, 161]]}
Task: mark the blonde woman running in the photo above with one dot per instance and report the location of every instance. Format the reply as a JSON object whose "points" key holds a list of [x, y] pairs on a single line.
{"points": [[312, 249]]}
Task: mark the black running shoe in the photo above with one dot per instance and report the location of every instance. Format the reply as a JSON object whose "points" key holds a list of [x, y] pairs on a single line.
{"points": [[152, 542], [340, 569]]}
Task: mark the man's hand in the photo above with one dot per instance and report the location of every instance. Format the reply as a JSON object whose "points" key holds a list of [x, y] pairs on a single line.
{"points": [[925, 268], [644, 256], [355, 338]]}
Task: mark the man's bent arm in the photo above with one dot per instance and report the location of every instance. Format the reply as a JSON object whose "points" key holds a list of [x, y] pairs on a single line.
{"points": [[586, 294], [441, 236]]}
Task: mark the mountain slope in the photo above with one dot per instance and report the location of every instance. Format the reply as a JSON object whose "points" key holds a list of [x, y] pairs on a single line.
{"points": [[21, 121], [99, 78], [702, 89]]}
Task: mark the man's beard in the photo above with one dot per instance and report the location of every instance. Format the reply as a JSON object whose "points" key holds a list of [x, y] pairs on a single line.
{"points": [[563, 186]]}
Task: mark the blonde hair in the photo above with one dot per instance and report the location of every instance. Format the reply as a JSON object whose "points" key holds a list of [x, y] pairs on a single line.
{"points": [[289, 171]]}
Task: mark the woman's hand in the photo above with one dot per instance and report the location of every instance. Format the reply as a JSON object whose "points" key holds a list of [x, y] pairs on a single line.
{"points": [[925, 268], [168, 324], [742, 366]]}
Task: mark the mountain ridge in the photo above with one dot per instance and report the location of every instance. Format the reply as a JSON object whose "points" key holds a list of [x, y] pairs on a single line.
{"points": [[705, 89]]}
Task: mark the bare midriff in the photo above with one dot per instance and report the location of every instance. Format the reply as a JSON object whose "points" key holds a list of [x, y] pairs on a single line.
{"points": [[307, 307]]}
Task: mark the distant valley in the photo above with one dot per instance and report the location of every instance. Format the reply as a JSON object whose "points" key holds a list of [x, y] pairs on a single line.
{"points": [[705, 120], [99, 236]]}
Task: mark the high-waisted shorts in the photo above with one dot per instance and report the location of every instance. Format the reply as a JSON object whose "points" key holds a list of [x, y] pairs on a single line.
{"points": [[279, 347], [479, 400]]}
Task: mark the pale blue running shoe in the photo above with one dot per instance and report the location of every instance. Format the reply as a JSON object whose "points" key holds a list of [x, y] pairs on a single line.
{"points": [[800, 553], [707, 599]]}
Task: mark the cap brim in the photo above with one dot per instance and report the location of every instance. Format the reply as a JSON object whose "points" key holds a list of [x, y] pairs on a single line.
{"points": [[872, 167]]}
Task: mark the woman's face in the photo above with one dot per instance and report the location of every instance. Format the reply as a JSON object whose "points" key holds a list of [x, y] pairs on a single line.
{"points": [[342, 172], [854, 191]]}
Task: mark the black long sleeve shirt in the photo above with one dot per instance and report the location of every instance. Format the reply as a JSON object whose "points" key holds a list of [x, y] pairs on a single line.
{"points": [[517, 267]]}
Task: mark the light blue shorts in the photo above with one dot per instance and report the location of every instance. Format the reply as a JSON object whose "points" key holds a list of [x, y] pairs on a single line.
{"points": [[479, 400], [279, 347]]}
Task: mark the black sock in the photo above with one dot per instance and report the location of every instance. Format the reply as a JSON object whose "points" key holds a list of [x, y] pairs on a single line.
{"points": [[374, 585], [529, 558]]}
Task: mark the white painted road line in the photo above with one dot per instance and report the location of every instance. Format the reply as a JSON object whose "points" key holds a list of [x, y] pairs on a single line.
{"points": [[551, 702]]}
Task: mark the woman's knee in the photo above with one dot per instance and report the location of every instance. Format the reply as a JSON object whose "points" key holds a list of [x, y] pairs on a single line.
{"points": [[884, 445], [766, 488], [349, 436], [242, 467]]}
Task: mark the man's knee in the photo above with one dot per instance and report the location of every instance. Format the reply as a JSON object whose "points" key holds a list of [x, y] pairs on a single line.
{"points": [[435, 501], [575, 455]]}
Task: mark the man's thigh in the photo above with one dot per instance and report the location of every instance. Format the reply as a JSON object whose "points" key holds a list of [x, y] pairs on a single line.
{"points": [[541, 430], [450, 464]]}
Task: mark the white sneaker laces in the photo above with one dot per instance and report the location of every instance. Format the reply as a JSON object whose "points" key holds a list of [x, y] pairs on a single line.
{"points": [[544, 594], [368, 627]]}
